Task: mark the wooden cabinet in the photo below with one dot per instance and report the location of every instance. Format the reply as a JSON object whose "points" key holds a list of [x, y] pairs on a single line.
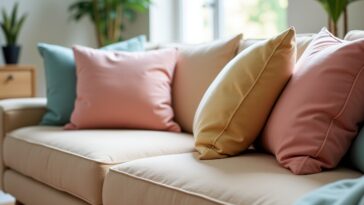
{"points": [[17, 81]]}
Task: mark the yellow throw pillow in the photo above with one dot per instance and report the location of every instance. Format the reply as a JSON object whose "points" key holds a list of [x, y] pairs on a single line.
{"points": [[237, 104]]}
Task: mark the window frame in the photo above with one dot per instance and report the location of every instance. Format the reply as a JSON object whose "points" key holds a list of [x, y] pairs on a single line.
{"points": [[217, 20]]}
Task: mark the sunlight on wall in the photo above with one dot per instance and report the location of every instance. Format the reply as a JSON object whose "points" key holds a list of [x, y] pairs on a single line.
{"points": [[254, 18], [197, 21], [204, 20]]}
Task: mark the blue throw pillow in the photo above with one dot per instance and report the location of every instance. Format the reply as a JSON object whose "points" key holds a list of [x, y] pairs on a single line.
{"points": [[60, 71], [357, 151]]}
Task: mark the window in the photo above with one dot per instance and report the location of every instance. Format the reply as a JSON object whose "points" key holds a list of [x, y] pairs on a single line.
{"points": [[197, 20], [204, 20]]}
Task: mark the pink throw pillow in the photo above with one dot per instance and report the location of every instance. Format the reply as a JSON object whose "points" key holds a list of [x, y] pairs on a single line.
{"points": [[317, 116], [124, 90]]}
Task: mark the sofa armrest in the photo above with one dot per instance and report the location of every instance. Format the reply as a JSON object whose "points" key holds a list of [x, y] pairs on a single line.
{"points": [[17, 113]]}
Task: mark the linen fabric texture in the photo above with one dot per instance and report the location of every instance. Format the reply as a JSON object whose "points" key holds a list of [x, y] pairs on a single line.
{"points": [[237, 104]]}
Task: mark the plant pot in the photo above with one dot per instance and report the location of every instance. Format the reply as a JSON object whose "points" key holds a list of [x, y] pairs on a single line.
{"points": [[11, 54]]}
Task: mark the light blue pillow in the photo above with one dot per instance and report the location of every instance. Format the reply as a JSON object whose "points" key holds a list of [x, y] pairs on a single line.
{"points": [[342, 192], [357, 151], [60, 71]]}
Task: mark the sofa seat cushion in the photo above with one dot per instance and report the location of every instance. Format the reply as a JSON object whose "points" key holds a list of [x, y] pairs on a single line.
{"points": [[77, 161], [249, 179]]}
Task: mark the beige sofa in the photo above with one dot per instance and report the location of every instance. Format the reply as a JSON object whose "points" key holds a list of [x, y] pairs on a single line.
{"points": [[47, 165]]}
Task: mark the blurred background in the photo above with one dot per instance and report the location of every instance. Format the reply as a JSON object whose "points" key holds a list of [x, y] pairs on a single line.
{"points": [[188, 21]]}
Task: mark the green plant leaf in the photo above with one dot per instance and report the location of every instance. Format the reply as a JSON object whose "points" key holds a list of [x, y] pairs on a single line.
{"points": [[334, 8], [130, 15], [6, 33], [11, 25], [18, 27], [14, 14], [81, 9], [111, 15], [6, 21], [135, 7], [6, 26]]}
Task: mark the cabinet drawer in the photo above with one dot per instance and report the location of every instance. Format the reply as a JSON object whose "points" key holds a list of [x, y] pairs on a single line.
{"points": [[15, 84]]}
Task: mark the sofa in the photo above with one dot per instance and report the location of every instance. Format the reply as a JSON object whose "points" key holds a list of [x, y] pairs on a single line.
{"points": [[48, 165]]}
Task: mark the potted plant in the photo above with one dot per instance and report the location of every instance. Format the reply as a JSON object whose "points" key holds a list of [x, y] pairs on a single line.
{"points": [[11, 26], [334, 9], [108, 16]]}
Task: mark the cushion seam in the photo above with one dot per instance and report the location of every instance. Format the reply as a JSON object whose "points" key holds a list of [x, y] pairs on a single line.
{"points": [[15, 137], [341, 111], [334, 37], [338, 115], [23, 109], [203, 196], [54, 186], [49, 183], [45, 184], [248, 94], [303, 162]]}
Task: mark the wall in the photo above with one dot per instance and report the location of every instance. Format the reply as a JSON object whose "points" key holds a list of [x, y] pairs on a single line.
{"points": [[48, 21], [308, 16]]}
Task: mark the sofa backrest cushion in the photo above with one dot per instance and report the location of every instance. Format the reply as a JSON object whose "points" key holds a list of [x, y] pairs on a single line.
{"points": [[302, 41], [317, 116], [127, 90], [237, 104], [354, 35], [197, 67]]}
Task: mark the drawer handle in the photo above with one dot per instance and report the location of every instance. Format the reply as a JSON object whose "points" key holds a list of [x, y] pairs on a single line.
{"points": [[9, 78]]}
